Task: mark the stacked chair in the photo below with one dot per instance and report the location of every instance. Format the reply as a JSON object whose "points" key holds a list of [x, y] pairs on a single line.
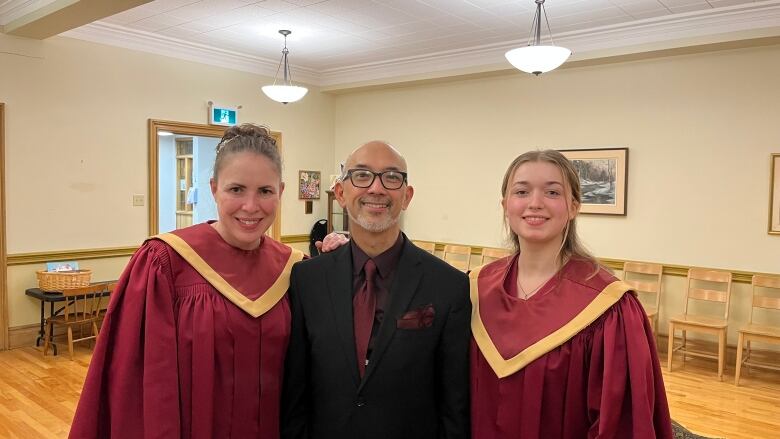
{"points": [[645, 279], [710, 324], [765, 296], [459, 256], [490, 254], [428, 246]]}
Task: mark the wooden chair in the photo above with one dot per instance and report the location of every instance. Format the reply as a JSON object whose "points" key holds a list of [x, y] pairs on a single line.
{"points": [[703, 323], [428, 246], [82, 308], [759, 332], [459, 256], [645, 279], [490, 254], [110, 287]]}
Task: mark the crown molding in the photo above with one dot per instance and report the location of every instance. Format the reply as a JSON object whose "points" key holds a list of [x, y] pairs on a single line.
{"points": [[748, 21], [120, 36], [11, 10]]}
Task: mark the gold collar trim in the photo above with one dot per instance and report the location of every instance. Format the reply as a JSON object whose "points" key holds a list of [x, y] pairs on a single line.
{"points": [[256, 307], [505, 367]]}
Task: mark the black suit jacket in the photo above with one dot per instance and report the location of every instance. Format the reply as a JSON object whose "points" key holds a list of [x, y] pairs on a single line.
{"points": [[417, 383]]}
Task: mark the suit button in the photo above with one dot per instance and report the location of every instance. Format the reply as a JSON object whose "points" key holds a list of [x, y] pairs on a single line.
{"points": [[360, 402]]}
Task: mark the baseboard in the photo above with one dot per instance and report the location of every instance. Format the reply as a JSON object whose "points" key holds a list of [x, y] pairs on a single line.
{"points": [[22, 336], [25, 335]]}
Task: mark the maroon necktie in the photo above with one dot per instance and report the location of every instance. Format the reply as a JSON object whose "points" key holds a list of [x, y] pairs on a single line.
{"points": [[363, 308]]}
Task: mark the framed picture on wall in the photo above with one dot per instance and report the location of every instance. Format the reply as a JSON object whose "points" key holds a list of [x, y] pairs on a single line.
{"points": [[309, 185], [774, 196], [603, 178]]}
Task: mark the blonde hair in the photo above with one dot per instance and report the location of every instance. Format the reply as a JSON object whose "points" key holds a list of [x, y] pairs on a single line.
{"points": [[571, 247]]}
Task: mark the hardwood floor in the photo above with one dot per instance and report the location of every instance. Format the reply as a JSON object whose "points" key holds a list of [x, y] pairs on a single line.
{"points": [[710, 407], [38, 396]]}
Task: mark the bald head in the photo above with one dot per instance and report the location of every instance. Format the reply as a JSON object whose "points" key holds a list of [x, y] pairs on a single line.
{"points": [[373, 190], [360, 157]]}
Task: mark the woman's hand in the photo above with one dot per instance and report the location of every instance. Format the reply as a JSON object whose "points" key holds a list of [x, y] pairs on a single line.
{"points": [[331, 242]]}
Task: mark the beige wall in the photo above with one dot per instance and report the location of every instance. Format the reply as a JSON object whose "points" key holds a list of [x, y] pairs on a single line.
{"points": [[76, 137], [76, 144], [699, 130]]}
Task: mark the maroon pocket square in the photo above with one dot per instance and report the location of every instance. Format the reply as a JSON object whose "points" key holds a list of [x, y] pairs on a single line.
{"points": [[419, 318]]}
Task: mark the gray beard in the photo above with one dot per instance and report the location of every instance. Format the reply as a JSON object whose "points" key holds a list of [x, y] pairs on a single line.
{"points": [[375, 227]]}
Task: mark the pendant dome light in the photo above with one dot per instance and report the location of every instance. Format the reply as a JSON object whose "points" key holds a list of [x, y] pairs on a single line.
{"points": [[536, 57], [287, 92]]}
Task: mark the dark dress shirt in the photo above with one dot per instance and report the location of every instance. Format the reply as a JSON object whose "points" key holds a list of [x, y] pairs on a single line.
{"points": [[386, 264]]}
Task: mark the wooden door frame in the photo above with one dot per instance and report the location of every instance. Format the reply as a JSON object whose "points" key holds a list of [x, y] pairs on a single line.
{"points": [[3, 251], [192, 129]]}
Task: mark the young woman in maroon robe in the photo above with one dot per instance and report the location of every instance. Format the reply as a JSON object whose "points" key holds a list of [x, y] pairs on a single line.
{"points": [[194, 340], [561, 348]]}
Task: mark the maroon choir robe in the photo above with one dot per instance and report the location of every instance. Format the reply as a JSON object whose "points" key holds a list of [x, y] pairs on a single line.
{"points": [[193, 343], [575, 360]]}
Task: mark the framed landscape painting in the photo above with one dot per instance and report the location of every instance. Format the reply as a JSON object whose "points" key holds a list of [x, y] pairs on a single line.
{"points": [[603, 178], [774, 196]]}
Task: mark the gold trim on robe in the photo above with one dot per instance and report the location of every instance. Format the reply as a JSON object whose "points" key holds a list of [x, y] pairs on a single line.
{"points": [[256, 307], [505, 367]]}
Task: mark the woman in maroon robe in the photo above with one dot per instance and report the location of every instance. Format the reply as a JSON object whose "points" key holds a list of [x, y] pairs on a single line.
{"points": [[561, 348], [194, 340]]}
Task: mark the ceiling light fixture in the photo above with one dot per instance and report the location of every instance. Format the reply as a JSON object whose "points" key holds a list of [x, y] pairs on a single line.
{"points": [[537, 58], [286, 92]]}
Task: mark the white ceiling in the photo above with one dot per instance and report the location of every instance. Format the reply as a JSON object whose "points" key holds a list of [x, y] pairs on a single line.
{"points": [[338, 41]]}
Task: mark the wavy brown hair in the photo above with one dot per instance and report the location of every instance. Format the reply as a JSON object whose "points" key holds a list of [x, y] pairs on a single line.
{"points": [[248, 137], [571, 246]]}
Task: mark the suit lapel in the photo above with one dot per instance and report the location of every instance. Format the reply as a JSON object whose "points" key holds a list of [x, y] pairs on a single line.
{"points": [[403, 289], [340, 288]]}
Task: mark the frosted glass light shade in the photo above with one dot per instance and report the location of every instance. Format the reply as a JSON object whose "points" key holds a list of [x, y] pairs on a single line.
{"points": [[285, 93], [538, 59]]}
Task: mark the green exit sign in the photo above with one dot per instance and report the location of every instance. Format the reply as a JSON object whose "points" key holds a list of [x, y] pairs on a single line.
{"points": [[225, 116]]}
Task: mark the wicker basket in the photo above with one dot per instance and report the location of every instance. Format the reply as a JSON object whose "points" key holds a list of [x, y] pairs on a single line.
{"points": [[60, 280]]}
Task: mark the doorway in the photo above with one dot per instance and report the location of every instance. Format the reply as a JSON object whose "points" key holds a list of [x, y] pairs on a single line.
{"points": [[3, 254], [181, 155]]}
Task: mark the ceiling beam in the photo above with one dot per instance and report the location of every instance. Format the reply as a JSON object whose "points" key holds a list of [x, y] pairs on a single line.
{"points": [[63, 15]]}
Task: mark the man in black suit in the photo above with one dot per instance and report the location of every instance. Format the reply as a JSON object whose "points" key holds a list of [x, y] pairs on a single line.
{"points": [[380, 330]]}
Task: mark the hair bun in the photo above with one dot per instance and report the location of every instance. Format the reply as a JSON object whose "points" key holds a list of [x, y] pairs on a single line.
{"points": [[250, 129], [248, 137]]}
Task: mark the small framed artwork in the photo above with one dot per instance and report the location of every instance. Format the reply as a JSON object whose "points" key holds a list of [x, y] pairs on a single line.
{"points": [[774, 196], [603, 176], [309, 183]]}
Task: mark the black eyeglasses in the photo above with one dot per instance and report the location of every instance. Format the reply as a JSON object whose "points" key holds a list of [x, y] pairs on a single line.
{"points": [[364, 178]]}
